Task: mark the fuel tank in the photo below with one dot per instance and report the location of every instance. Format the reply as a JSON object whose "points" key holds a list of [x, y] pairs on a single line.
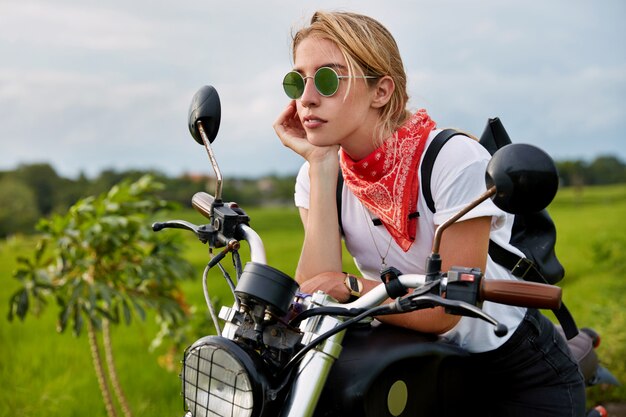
{"points": [[389, 371]]}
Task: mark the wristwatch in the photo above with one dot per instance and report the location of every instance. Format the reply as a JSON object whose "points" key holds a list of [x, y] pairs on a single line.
{"points": [[354, 285]]}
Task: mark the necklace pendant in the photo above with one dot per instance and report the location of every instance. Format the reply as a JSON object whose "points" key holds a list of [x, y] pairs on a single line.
{"points": [[383, 258], [383, 265]]}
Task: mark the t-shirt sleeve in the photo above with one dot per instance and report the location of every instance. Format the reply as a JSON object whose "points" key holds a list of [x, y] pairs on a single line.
{"points": [[458, 178], [303, 187]]}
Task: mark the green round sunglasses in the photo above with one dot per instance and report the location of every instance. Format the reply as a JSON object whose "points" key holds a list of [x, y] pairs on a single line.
{"points": [[326, 82]]}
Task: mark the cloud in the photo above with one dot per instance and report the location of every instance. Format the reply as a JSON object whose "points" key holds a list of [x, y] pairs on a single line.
{"points": [[66, 25], [88, 85]]}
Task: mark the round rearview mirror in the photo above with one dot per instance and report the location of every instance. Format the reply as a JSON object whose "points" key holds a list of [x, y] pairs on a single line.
{"points": [[205, 107], [525, 177]]}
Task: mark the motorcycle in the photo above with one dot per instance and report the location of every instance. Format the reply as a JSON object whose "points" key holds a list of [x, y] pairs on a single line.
{"points": [[282, 352]]}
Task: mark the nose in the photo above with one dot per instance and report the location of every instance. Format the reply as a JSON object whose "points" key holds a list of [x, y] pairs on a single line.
{"points": [[310, 96]]}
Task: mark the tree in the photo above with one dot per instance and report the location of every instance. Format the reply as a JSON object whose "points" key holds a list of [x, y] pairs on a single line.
{"points": [[102, 264], [18, 207], [607, 170], [44, 181], [572, 173]]}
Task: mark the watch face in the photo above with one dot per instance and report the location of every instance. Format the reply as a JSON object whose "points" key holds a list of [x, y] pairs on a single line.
{"points": [[354, 285]]}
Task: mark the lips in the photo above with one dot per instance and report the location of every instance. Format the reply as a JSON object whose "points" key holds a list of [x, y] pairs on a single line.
{"points": [[312, 122]]}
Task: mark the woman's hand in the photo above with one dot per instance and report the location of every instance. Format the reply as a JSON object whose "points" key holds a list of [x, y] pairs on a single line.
{"points": [[288, 126], [292, 134], [332, 283]]}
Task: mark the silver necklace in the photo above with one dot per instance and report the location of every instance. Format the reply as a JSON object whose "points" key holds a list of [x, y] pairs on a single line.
{"points": [[383, 258]]}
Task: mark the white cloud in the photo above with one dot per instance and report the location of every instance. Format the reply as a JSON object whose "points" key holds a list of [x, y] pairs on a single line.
{"points": [[60, 25], [88, 85]]}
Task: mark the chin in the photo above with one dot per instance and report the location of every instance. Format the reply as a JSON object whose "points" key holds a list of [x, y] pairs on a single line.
{"points": [[320, 140]]}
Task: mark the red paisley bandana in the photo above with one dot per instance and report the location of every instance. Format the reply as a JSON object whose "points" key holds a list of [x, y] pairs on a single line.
{"points": [[386, 181]]}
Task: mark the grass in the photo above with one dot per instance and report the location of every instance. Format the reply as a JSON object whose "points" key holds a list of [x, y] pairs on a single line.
{"points": [[45, 373], [592, 246]]}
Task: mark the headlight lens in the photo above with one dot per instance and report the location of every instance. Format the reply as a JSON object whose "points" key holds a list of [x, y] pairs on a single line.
{"points": [[219, 378]]}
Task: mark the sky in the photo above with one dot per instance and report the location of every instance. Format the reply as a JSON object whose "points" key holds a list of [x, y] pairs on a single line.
{"points": [[92, 85]]}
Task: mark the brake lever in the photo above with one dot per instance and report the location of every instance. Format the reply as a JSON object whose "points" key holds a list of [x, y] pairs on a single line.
{"points": [[203, 232], [419, 302]]}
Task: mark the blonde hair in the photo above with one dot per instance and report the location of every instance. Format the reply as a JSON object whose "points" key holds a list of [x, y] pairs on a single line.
{"points": [[368, 48]]}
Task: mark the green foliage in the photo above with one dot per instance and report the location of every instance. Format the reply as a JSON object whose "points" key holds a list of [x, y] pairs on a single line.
{"points": [[42, 179], [48, 193], [601, 171], [18, 206], [102, 260]]}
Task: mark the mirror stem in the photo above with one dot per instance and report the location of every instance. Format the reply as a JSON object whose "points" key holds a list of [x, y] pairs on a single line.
{"points": [[216, 168], [437, 240]]}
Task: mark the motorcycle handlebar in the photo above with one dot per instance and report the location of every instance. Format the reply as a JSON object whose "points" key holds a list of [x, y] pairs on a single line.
{"points": [[521, 293], [517, 293], [203, 202]]}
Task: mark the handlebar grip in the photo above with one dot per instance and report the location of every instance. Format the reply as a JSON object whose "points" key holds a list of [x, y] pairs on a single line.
{"points": [[521, 293], [202, 202]]}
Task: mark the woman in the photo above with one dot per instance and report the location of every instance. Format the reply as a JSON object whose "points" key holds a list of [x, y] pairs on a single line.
{"points": [[348, 91]]}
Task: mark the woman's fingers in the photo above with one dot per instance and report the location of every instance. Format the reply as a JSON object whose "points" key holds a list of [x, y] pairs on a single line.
{"points": [[288, 124], [290, 130], [292, 135]]}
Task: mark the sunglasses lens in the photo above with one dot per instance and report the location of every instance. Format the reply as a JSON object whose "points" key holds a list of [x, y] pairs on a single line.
{"points": [[326, 81], [293, 84]]}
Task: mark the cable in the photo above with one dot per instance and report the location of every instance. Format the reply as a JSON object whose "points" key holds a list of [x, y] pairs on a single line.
{"points": [[208, 301], [298, 356]]}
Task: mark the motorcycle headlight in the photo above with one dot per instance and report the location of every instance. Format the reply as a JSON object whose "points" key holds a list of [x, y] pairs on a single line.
{"points": [[220, 378]]}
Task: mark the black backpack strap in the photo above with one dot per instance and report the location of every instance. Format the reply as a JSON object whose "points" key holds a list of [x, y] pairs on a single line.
{"points": [[567, 321], [519, 266], [525, 269], [426, 169], [339, 198]]}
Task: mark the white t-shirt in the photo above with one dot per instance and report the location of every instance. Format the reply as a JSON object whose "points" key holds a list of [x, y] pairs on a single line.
{"points": [[457, 179]]}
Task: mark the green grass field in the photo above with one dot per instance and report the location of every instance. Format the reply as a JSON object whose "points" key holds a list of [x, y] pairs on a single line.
{"points": [[46, 373]]}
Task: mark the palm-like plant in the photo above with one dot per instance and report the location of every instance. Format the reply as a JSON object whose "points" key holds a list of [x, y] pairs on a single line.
{"points": [[102, 264]]}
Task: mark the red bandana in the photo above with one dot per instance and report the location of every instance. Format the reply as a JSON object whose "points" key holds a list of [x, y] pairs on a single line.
{"points": [[386, 181]]}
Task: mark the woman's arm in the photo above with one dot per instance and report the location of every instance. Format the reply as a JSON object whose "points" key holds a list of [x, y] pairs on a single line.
{"points": [[321, 250], [463, 244]]}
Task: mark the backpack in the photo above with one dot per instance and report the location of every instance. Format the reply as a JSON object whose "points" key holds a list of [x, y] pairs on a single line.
{"points": [[534, 234]]}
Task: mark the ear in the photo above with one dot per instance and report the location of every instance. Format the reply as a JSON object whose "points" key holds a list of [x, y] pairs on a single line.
{"points": [[382, 91]]}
